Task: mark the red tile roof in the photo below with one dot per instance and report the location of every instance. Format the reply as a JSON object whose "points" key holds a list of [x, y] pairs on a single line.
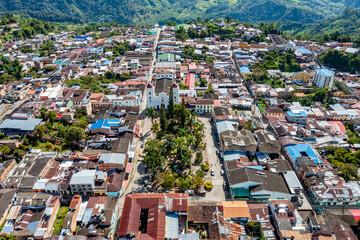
{"points": [[157, 204]]}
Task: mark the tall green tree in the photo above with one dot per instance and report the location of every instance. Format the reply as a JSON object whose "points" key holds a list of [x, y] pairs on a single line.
{"points": [[163, 120], [170, 109], [183, 114]]}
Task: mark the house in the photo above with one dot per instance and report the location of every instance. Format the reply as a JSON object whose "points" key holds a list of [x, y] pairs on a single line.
{"points": [[296, 116], [105, 126], [14, 126], [257, 185], [323, 78], [70, 223], [161, 92], [301, 78], [6, 169], [6, 196], [46, 223], [83, 182], [244, 70], [267, 142], [238, 140], [110, 161], [273, 111], [153, 216], [203, 106], [217, 215], [95, 51], [98, 217]]}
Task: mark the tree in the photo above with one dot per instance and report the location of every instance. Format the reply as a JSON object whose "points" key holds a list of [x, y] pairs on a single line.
{"points": [[168, 181], [349, 171], [183, 113], [155, 127], [40, 131], [5, 150], [163, 120], [198, 181], [184, 184], [151, 113], [170, 108], [75, 134], [228, 19], [51, 116], [18, 153], [169, 144]]}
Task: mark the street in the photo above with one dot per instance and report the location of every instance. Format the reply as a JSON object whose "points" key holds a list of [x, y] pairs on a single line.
{"points": [[217, 193]]}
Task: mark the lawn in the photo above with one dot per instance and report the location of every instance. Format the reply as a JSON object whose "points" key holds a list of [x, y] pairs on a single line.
{"points": [[60, 220]]}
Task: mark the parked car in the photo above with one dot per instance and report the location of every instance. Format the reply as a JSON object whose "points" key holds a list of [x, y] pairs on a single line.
{"points": [[134, 190], [201, 193], [301, 195], [142, 145], [190, 192], [212, 172], [222, 172], [301, 203]]}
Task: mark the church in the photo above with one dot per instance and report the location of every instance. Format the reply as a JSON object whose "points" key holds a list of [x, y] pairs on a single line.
{"points": [[160, 93]]}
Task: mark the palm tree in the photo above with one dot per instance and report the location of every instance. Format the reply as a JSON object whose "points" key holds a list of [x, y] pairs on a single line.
{"points": [[170, 143], [151, 113]]}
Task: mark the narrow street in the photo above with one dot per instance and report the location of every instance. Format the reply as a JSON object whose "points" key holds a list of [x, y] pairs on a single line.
{"points": [[217, 193]]}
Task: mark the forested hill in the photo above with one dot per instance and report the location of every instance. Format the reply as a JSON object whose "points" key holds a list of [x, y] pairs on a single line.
{"points": [[347, 23], [160, 11]]}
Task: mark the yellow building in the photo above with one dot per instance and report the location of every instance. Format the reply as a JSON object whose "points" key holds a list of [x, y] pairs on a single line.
{"points": [[301, 78]]}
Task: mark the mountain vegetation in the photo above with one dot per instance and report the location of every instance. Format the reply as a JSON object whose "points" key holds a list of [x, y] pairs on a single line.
{"points": [[160, 11], [347, 23]]}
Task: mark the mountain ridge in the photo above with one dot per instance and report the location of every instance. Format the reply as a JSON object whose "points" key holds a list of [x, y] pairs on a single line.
{"points": [[160, 11]]}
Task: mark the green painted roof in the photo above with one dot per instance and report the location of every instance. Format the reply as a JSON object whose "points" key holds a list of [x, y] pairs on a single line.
{"points": [[167, 57]]}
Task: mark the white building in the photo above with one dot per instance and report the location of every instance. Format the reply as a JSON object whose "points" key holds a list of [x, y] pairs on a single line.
{"points": [[323, 78], [95, 51], [83, 182], [159, 94]]}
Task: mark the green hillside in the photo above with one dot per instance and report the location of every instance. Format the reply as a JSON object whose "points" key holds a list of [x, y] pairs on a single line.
{"points": [[160, 11], [347, 23]]}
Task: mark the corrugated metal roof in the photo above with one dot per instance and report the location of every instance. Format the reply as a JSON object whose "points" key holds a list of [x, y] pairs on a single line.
{"points": [[235, 209], [172, 226]]}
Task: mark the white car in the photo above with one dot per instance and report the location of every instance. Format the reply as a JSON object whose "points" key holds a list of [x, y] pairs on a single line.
{"points": [[222, 172], [212, 172]]}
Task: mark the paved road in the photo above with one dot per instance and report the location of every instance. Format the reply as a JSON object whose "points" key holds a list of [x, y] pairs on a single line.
{"points": [[217, 193], [152, 64]]}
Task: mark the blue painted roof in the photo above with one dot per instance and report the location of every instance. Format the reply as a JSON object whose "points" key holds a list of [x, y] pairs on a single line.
{"points": [[105, 124], [304, 51], [244, 69], [299, 150], [297, 114]]}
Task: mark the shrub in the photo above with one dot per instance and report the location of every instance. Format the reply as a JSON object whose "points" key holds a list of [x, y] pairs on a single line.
{"points": [[205, 167], [168, 182], [208, 186], [200, 173], [184, 184]]}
